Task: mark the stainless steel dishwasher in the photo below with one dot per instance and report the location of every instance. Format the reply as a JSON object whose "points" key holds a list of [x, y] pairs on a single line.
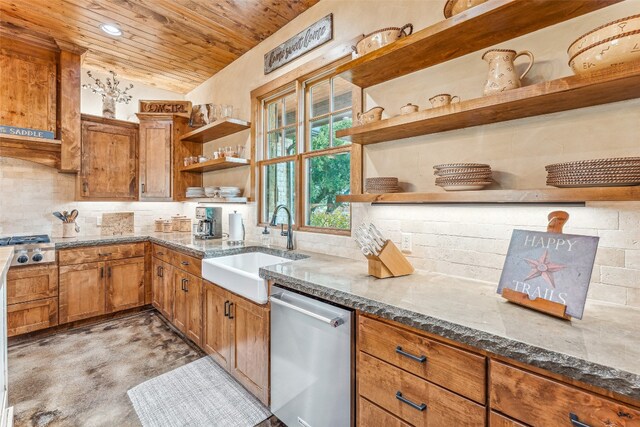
{"points": [[311, 361]]}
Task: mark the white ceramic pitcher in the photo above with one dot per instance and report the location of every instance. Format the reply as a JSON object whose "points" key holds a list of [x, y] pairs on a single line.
{"points": [[502, 70]]}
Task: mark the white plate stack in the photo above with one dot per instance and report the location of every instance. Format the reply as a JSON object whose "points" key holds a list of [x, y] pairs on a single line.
{"points": [[228, 192], [463, 176], [211, 191], [195, 192]]}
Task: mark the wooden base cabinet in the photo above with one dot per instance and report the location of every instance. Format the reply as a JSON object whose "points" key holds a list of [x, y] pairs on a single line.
{"points": [[162, 288], [101, 279], [236, 335], [187, 315], [32, 298]]}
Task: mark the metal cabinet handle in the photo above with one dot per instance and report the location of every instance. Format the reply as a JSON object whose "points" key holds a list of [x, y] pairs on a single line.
{"points": [[108, 271], [226, 308], [107, 254], [159, 253], [575, 422], [160, 271], [420, 359], [230, 312], [186, 285], [85, 187], [182, 282], [102, 272], [421, 407], [142, 187], [185, 262]]}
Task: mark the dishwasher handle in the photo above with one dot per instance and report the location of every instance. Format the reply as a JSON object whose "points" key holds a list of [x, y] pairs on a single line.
{"points": [[334, 322]]}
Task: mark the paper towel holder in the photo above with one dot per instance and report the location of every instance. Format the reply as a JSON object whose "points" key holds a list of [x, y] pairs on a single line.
{"points": [[233, 237]]}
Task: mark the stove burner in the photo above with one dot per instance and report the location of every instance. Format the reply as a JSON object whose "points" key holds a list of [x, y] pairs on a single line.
{"points": [[26, 240]]}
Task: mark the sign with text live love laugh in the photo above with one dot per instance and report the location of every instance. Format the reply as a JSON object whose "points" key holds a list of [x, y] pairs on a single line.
{"points": [[555, 267], [315, 35]]}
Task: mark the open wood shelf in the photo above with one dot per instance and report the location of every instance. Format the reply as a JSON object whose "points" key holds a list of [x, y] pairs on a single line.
{"points": [[482, 26], [39, 150], [218, 129], [546, 195], [236, 200], [216, 165], [567, 93]]}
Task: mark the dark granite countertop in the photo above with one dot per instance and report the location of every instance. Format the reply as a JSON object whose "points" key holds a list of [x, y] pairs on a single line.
{"points": [[603, 349]]}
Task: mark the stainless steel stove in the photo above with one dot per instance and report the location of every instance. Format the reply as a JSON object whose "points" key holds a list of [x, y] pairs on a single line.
{"points": [[30, 250]]}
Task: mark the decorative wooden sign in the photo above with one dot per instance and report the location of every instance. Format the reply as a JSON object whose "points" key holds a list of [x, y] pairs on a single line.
{"points": [[315, 35], [32, 133], [180, 108], [549, 271]]}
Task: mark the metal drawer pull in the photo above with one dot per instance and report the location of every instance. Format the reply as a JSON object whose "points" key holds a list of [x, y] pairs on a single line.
{"points": [[230, 313], [226, 308], [185, 262], [277, 299], [160, 253], [420, 359], [575, 422], [107, 254], [402, 399], [101, 272]]}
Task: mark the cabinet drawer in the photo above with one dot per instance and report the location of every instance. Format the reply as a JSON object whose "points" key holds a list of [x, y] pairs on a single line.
{"points": [[187, 263], [32, 283], [386, 386], [497, 420], [31, 316], [100, 253], [456, 370], [539, 401], [369, 415], [161, 252]]}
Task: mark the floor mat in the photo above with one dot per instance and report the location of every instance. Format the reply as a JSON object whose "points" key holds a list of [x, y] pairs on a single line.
{"points": [[198, 394]]}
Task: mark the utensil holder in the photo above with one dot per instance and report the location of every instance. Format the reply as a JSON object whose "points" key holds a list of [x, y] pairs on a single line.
{"points": [[557, 220], [69, 230], [390, 262]]}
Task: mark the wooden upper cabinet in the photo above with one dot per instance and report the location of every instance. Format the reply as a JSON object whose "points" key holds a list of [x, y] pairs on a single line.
{"points": [[125, 284], [109, 160], [155, 159], [40, 91], [162, 156]]}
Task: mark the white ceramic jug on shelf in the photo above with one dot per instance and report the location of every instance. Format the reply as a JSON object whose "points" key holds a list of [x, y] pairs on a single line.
{"points": [[502, 70]]}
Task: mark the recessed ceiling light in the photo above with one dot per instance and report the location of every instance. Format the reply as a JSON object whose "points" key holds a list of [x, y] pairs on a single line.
{"points": [[111, 29]]}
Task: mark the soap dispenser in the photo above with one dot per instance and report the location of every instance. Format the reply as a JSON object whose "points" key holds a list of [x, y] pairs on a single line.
{"points": [[265, 240]]}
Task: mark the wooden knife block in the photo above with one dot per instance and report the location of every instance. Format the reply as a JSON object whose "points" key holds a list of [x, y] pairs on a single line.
{"points": [[391, 262]]}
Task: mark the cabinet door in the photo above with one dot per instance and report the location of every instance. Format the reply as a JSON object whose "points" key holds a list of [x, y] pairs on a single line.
{"points": [[82, 291], [108, 168], [155, 159], [215, 334], [125, 284], [193, 290], [163, 288], [250, 351], [180, 301]]}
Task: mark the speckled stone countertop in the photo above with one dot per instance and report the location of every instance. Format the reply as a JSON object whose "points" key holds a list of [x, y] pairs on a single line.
{"points": [[603, 349]]}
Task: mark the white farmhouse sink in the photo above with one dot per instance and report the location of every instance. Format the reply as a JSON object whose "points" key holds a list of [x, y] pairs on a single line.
{"points": [[239, 273]]}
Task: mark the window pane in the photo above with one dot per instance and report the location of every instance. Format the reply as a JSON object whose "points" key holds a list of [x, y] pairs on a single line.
{"points": [[327, 177], [342, 95], [290, 146], [341, 121], [320, 95], [274, 115], [290, 109], [319, 134], [274, 144], [279, 190]]}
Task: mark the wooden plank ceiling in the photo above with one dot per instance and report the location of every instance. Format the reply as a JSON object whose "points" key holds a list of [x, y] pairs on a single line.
{"points": [[170, 44]]}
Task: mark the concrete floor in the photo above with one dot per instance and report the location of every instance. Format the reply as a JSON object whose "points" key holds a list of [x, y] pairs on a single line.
{"points": [[81, 377]]}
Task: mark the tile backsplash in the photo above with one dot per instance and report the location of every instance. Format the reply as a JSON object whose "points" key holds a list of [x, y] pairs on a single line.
{"points": [[466, 241]]}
